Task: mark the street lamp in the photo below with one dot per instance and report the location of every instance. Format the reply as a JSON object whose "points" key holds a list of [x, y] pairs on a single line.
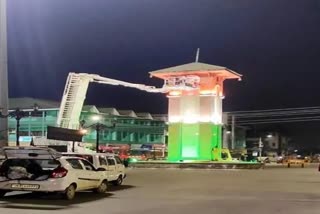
{"points": [[18, 115], [83, 131], [95, 117], [98, 127]]}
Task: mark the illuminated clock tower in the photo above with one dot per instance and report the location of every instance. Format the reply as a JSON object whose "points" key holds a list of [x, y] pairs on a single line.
{"points": [[195, 109]]}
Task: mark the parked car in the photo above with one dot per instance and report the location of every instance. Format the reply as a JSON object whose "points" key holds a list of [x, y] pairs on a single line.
{"points": [[43, 170], [263, 159], [115, 169], [296, 160]]}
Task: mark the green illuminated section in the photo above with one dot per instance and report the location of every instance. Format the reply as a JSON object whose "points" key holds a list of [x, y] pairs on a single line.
{"points": [[190, 139], [194, 141]]}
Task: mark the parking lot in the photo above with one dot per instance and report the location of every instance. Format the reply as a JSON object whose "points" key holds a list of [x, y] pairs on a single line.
{"points": [[271, 190]]}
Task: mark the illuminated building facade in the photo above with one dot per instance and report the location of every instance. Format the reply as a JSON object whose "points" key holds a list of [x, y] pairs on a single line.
{"points": [[131, 127]]}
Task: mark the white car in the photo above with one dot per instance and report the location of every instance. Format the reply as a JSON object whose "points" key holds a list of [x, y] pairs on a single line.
{"points": [[115, 169], [42, 170]]}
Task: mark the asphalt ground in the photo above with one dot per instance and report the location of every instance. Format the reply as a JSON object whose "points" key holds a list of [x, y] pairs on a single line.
{"points": [[165, 191]]}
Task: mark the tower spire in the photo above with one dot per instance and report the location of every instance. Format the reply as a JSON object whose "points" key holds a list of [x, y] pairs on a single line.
{"points": [[197, 56]]}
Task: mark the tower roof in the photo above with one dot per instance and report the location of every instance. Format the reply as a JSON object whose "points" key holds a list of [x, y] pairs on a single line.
{"points": [[196, 68]]}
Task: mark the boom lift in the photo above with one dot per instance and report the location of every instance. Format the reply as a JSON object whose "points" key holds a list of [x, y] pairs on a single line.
{"points": [[77, 85]]}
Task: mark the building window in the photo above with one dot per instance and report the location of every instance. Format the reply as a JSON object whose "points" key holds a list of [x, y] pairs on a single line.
{"points": [[114, 136], [118, 136], [152, 137], [141, 135], [105, 135], [135, 137], [125, 135]]}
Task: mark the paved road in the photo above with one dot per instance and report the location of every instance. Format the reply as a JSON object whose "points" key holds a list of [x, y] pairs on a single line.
{"points": [[166, 191]]}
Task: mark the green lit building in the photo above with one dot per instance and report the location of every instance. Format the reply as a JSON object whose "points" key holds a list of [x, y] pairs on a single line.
{"points": [[131, 127]]}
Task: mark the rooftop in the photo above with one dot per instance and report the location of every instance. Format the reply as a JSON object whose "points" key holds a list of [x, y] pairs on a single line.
{"points": [[110, 111], [196, 67], [29, 103], [129, 113]]}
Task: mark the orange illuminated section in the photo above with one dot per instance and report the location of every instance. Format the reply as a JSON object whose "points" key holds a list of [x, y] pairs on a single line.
{"points": [[195, 91], [174, 93]]}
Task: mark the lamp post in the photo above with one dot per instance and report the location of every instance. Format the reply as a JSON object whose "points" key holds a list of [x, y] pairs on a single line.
{"points": [[98, 127], [18, 115], [260, 148]]}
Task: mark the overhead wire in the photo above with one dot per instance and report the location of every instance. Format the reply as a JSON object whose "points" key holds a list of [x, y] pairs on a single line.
{"points": [[280, 120], [275, 116], [274, 110]]}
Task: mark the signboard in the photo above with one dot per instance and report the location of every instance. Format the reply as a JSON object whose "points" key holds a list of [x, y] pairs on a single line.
{"points": [[56, 133]]}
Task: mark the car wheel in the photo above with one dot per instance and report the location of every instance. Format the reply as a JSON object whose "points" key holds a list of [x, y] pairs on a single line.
{"points": [[103, 187], [2, 193], [302, 165], [119, 181], [288, 165], [70, 192]]}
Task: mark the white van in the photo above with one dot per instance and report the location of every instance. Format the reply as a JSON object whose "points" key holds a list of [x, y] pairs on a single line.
{"points": [[111, 162]]}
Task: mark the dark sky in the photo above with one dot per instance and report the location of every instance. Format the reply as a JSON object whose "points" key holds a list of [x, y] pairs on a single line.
{"points": [[275, 44]]}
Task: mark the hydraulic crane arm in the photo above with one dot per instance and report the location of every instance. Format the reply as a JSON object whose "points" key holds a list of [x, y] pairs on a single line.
{"points": [[108, 81], [75, 93]]}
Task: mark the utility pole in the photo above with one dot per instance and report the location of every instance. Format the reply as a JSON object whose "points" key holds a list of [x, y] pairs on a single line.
{"points": [[233, 121], [3, 74], [260, 148], [98, 127]]}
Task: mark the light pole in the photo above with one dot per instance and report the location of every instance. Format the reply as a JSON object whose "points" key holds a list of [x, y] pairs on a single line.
{"points": [[260, 148], [18, 115], [98, 127], [3, 73]]}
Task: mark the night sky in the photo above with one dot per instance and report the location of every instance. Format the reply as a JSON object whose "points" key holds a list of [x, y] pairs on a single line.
{"points": [[275, 44]]}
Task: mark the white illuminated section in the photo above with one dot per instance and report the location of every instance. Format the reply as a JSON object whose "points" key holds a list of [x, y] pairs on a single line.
{"points": [[192, 109], [190, 118], [216, 119], [174, 119], [174, 109]]}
